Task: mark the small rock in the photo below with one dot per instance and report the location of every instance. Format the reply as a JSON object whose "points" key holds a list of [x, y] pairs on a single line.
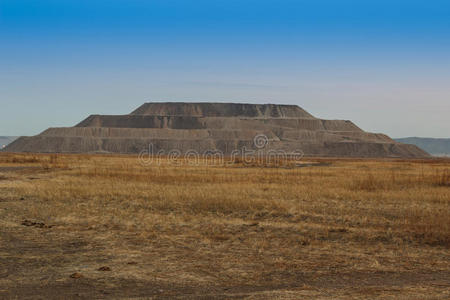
{"points": [[27, 223], [40, 225], [132, 263], [304, 243], [76, 275], [104, 269], [35, 224]]}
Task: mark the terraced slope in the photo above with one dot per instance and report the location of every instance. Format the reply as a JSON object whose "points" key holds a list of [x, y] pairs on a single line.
{"points": [[226, 127]]}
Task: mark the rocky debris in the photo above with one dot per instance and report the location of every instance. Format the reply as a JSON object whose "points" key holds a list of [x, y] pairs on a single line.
{"points": [[76, 275], [35, 224]]}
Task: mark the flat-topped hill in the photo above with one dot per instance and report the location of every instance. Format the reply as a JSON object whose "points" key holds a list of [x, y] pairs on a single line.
{"points": [[224, 127], [205, 109]]}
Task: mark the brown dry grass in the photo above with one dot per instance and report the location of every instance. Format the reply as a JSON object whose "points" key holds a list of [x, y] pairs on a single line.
{"points": [[344, 229]]}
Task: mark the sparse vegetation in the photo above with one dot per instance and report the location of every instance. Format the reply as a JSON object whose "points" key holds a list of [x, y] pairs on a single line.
{"points": [[336, 229]]}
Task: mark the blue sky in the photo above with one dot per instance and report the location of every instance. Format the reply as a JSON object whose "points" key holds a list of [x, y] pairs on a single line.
{"points": [[383, 64]]}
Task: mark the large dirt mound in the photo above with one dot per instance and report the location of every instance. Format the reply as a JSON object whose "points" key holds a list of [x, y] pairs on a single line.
{"points": [[222, 110], [224, 127]]}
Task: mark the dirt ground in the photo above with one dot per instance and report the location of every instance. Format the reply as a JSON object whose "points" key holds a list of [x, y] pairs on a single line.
{"points": [[101, 227]]}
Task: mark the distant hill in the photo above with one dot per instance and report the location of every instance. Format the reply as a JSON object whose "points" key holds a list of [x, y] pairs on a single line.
{"points": [[5, 140], [436, 147]]}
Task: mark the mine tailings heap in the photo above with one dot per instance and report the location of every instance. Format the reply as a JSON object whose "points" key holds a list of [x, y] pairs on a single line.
{"points": [[225, 127]]}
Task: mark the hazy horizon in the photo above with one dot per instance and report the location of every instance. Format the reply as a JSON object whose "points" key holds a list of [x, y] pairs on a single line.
{"points": [[385, 65]]}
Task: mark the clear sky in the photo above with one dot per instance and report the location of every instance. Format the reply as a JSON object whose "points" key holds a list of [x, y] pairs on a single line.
{"points": [[383, 64]]}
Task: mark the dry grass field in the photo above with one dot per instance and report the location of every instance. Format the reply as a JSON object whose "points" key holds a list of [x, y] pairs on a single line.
{"points": [[80, 226]]}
